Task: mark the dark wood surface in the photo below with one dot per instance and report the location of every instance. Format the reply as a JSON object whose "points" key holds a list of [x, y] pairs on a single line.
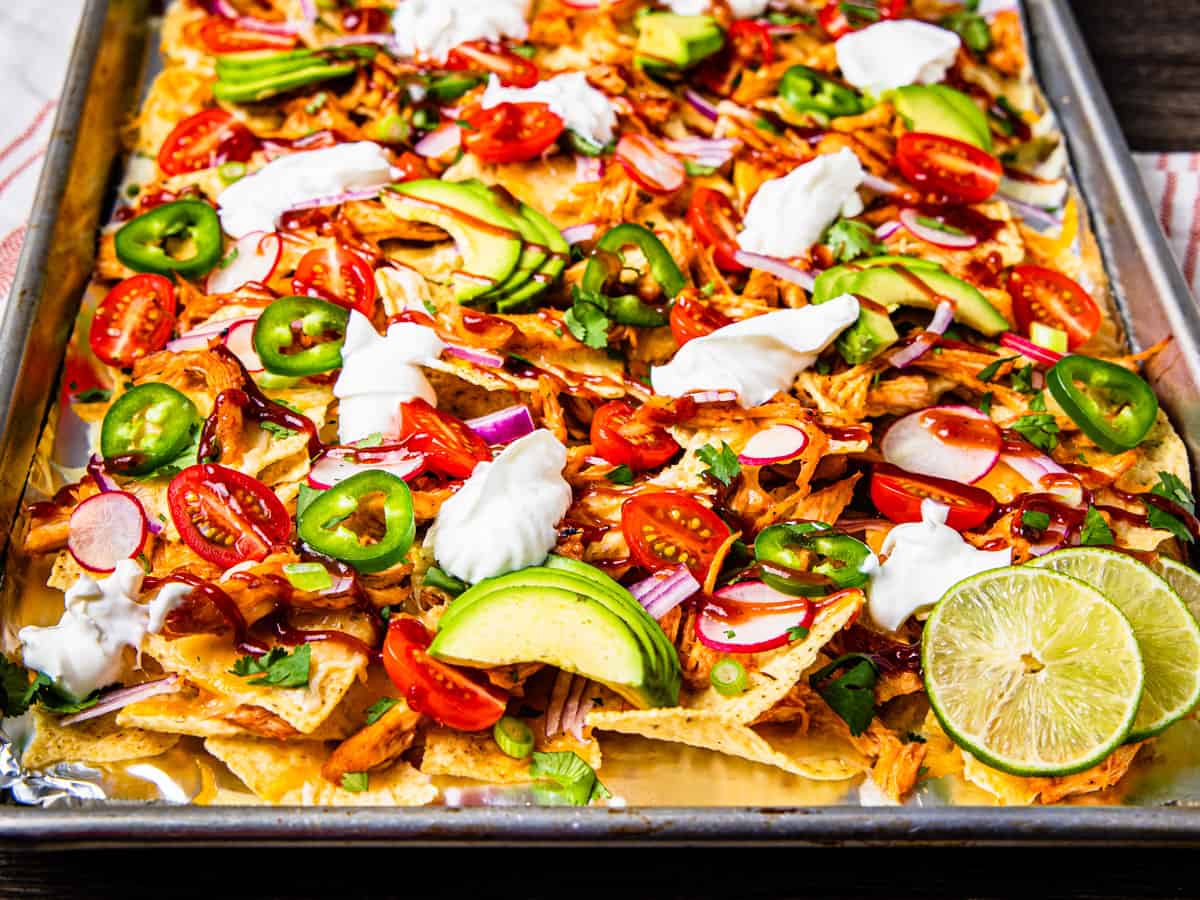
{"points": [[1148, 52]]}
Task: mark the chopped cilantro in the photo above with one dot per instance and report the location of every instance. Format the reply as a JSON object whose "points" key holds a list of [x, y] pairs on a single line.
{"points": [[465, 125], [385, 613], [1038, 403], [1022, 379], [985, 403], [355, 782], [621, 474], [376, 710], [764, 124], [228, 259], [277, 431], [17, 687], [847, 240], [277, 668], [374, 439], [588, 323], [860, 12], [307, 496], [988, 372], [93, 395], [722, 463], [430, 307], [1164, 521], [797, 633], [1039, 429], [1035, 519], [1095, 531], [708, 288], [1172, 487], [852, 693]]}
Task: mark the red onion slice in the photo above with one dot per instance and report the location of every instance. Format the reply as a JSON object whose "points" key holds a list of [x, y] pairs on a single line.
{"points": [[911, 220], [439, 142], [887, 229], [485, 358], [240, 339], [777, 444], [105, 529], [588, 168], [709, 152], [701, 105], [308, 9], [126, 696], [1043, 356], [253, 258], [777, 267], [665, 590], [339, 463], [942, 317], [504, 426], [200, 336], [578, 233], [913, 444], [652, 167], [755, 632], [1034, 216]]}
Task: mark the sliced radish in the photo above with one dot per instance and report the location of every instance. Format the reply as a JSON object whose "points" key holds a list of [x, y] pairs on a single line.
{"points": [[577, 233], [955, 442], [240, 339], [1043, 356], [939, 237], [253, 258], [749, 617], [1045, 474], [201, 336], [777, 444], [650, 165], [106, 529], [339, 463]]}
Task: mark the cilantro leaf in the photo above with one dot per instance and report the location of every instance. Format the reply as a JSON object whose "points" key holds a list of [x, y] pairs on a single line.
{"points": [[277, 431], [305, 498], [277, 668], [852, 693], [622, 474], [1095, 531], [1022, 379], [376, 710], [18, 689], [1038, 403], [1039, 429], [797, 633], [1164, 521], [847, 240], [988, 372], [1035, 519], [722, 464], [588, 323], [356, 782], [985, 403], [1172, 487]]}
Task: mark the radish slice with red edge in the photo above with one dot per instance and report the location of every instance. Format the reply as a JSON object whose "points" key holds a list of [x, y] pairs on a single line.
{"points": [[105, 529], [107, 484], [253, 258], [240, 339], [504, 426], [578, 233], [650, 165], [665, 590], [750, 617], [1043, 356], [918, 225], [339, 463], [1045, 474], [123, 697], [777, 444], [955, 442]]}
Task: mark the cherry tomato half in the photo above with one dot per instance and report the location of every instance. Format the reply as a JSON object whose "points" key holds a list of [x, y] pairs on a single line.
{"points": [[511, 69], [226, 516], [135, 319], [691, 318], [450, 447], [839, 18], [1046, 296], [225, 36], [207, 139], [337, 275], [955, 170], [447, 694], [511, 132], [898, 495], [652, 167], [623, 439], [666, 528], [753, 41], [715, 224]]}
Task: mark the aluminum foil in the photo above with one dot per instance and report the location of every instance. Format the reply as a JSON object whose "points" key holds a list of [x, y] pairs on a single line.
{"points": [[64, 784]]}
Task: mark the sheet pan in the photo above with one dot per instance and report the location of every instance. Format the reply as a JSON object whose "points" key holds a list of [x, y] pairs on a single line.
{"points": [[1151, 296]]}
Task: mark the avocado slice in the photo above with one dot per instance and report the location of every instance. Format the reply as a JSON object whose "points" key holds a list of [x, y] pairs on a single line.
{"points": [[558, 251], [558, 627], [487, 237], [670, 41], [938, 109], [532, 254]]}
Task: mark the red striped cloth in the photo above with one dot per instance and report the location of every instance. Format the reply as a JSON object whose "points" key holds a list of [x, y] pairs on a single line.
{"points": [[1173, 182]]}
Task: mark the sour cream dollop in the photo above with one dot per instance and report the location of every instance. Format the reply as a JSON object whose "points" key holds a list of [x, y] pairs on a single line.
{"points": [[379, 372], [922, 560], [432, 28], [256, 202], [787, 215], [84, 650], [757, 357], [583, 109], [894, 53], [504, 518]]}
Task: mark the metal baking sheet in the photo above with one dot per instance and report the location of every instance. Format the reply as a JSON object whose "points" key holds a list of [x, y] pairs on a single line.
{"points": [[106, 72]]}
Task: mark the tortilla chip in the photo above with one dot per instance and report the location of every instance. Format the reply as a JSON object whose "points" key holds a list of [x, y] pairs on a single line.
{"points": [[205, 660], [708, 719], [1162, 450], [290, 775], [476, 755], [99, 740]]}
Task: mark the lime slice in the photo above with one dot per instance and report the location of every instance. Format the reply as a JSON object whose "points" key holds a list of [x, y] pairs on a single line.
{"points": [[1166, 631], [1184, 579], [1031, 671]]}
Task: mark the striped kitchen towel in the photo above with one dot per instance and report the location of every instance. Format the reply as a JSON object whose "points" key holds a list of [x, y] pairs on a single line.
{"points": [[1173, 182]]}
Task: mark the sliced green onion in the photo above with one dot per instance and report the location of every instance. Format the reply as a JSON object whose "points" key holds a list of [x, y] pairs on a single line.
{"points": [[1049, 337], [309, 576], [729, 677], [424, 118], [231, 171], [525, 51], [392, 129], [271, 381], [513, 737], [444, 581], [564, 778], [939, 225]]}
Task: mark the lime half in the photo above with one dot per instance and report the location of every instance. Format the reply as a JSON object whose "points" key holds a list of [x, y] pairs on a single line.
{"points": [[1031, 671], [1184, 579], [1166, 631]]}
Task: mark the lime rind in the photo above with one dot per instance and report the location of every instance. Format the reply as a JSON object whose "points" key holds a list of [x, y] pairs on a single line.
{"points": [[1031, 671], [1167, 632]]}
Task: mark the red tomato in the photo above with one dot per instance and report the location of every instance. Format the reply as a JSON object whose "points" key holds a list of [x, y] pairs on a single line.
{"points": [[834, 19], [898, 495], [753, 41], [623, 439], [953, 169], [450, 447], [715, 224], [226, 36], [225, 516], [1050, 297], [337, 275], [206, 139], [511, 132], [650, 165], [511, 69], [411, 167], [447, 694], [667, 528], [692, 318], [135, 319]]}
